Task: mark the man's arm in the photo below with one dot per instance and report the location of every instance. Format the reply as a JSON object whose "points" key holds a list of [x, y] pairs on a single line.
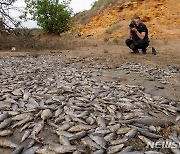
{"points": [[140, 35]]}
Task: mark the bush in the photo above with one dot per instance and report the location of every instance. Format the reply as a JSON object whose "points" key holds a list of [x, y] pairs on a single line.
{"points": [[51, 16]]}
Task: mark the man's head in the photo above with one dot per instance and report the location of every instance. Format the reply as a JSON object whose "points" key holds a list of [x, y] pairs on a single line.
{"points": [[137, 20]]}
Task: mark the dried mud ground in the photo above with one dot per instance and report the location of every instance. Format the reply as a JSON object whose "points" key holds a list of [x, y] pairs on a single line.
{"points": [[114, 57], [168, 54]]}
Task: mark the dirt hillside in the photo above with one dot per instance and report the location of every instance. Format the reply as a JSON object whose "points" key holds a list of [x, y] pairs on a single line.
{"points": [[162, 18]]}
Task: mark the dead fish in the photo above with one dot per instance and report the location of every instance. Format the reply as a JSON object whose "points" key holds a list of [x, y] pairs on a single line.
{"points": [[4, 116], [175, 150], [99, 151], [37, 128], [78, 120], [131, 133], [62, 148], [5, 123], [153, 121], [25, 126], [114, 149], [31, 150], [126, 149], [17, 92], [26, 95], [64, 133], [26, 135], [101, 121], [99, 140], [23, 121], [5, 133], [144, 139], [152, 152], [20, 116], [58, 112], [50, 123], [78, 135], [46, 114], [64, 140], [151, 135], [114, 128], [30, 144], [90, 120], [177, 118], [123, 130], [7, 144], [66, 126], [80, 127], [152, 128], [110, 137], [18, 150], [102, 130], [45, 150], [134, 152], [59, 119], [87, 141], [118, 141]]}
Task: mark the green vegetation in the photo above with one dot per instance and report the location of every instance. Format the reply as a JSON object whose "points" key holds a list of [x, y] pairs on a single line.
{"points": [[97, 6], [116, 41], [50, 15], [106, 39]]}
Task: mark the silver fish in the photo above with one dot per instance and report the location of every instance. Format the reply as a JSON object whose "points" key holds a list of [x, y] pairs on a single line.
{"points": [[64, 140], [87, 141], [31, 150], [46, 114], [26, 135], [7, 144], [62, 148], [5, 123], [18, 150], [4, 116], [5, 133], [114, 149], [99, 140]]}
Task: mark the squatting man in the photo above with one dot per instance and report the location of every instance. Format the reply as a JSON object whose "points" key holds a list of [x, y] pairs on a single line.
{"points": [[138, 36]]}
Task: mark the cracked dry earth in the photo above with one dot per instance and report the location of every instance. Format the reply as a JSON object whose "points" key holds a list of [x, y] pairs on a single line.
{"points": [[49, 106]]}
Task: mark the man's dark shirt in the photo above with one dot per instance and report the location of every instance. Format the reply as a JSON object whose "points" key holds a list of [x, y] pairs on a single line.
{"points": [[141, 28]]}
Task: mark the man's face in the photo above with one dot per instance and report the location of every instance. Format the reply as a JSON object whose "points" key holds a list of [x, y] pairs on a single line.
{"points": [[137, 21]]}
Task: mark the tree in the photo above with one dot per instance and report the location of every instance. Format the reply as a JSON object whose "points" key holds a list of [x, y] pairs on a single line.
{"points": [[52, 16]]}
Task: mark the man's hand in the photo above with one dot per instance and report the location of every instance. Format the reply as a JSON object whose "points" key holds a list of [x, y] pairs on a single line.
{"points": [[134, 29]]}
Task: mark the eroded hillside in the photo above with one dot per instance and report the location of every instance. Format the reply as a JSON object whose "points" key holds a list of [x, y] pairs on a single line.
{"points": [[162, 17]]}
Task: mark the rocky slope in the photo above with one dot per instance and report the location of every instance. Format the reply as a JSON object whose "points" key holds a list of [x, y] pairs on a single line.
{"points": [[162, 18]]}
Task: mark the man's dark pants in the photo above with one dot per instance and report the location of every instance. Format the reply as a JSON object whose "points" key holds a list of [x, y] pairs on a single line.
{"points": [[140, 44]]}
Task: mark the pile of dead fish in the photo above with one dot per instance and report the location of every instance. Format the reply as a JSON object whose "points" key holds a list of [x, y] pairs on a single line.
{"points": [[164, 75], [48, 106]]}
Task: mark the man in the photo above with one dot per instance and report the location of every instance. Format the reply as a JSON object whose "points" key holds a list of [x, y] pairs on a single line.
{"points": [[138, 36]]}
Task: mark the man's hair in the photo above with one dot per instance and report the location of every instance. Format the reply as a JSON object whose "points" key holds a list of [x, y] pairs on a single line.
{"points": [[137, 17]]}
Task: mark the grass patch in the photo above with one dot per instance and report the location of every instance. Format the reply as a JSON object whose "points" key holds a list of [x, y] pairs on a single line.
{"points": [[106, 39], [116, 41], [85, 16]]}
